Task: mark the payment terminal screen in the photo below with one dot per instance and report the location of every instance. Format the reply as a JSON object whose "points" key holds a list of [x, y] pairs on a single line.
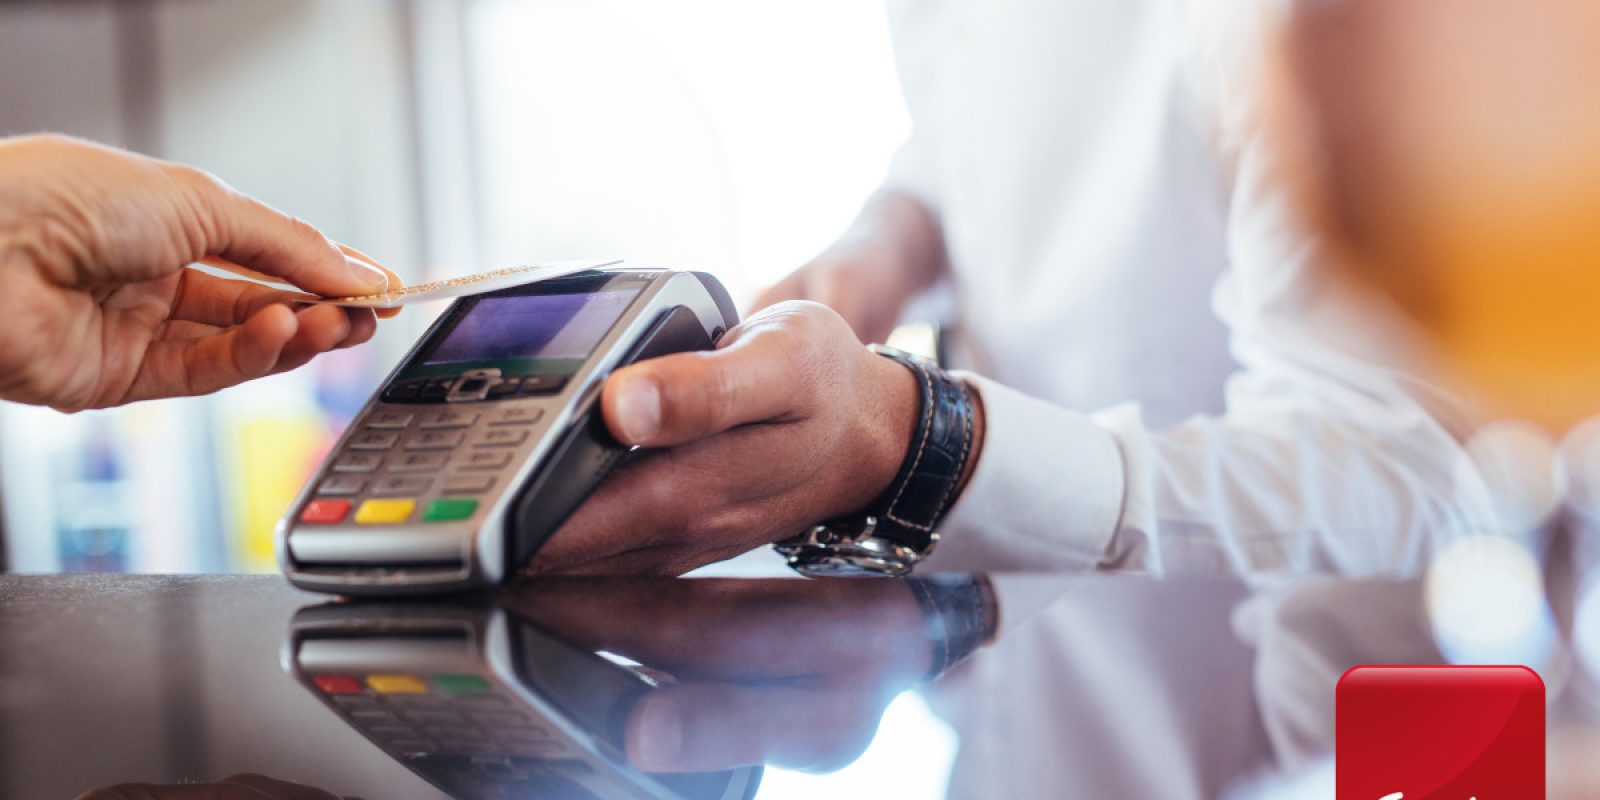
{"points": [[548, 328]]}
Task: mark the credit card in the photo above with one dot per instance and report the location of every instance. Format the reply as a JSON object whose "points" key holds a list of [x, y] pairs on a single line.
{"points": [[456, 287]]}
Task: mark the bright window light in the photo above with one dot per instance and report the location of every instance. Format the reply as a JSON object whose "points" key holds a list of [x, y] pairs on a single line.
{"points": [[735, 137]]}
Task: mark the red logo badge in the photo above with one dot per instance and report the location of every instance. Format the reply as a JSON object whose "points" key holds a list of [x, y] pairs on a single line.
{"points": [[1440, 733]]}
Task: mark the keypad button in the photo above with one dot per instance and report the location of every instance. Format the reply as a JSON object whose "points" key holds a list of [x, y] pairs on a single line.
{"points": [[400, 486], [325, 512], [449, 418], [496, 718], [431, 717], [342, 485], [505, 388], [384, 512], [461, 684], [434, 390], [418, 462], [373, 440], [357, 462], [468, 484], [408, 701], [356, 699], [396, 684], [515, 415], [500, 437], [486, 460], [338, 684], [450, 509], [542, 384], [369, 718], [389, 419], [481, 701], [436, 440], [404, 390]]}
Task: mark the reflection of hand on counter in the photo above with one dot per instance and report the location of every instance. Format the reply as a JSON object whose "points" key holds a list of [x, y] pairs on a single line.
{"points": [[238, 787], [793, 673]]}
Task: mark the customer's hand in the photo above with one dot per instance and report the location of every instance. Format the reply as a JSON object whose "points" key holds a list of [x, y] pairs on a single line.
{"points": [[99, 307], [238, 787], [893, 251], [789, 422]]}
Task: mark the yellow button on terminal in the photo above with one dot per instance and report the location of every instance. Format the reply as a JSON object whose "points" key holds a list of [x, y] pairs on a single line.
{"points": [[385, 512], [396, 684]]}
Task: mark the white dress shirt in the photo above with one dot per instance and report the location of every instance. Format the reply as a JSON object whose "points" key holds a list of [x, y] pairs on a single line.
{"points": [[1172, 382], [1172, 386]]}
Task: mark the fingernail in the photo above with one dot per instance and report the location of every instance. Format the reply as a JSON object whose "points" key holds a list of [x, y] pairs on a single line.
{"points": [[371, 278], [639, 410], [657, 740]]}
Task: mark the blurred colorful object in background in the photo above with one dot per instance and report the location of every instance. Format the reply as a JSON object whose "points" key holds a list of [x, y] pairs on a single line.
{"points": [[1450, 151]]}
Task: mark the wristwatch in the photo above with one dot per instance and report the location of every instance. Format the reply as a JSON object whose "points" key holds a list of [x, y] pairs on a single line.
{"points": [[899, 528]]}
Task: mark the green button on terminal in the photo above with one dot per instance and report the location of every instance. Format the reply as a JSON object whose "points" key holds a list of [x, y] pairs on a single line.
{"points": [[450, 509], [460, 684]]}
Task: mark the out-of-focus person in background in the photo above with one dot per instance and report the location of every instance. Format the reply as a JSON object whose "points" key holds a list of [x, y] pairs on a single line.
{"points": [[1172, 381], [100, 304]]}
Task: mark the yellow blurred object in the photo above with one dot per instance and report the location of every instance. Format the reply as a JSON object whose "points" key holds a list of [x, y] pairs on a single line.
{"points": [[270, 460], [1450, 151]]}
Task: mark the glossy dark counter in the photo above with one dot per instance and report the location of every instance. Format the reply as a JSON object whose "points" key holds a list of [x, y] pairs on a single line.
{"points": [[1095, 686], [108, 680]]}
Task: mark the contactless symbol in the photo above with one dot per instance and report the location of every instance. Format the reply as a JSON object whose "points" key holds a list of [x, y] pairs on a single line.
{"points": [[1440, 733]]}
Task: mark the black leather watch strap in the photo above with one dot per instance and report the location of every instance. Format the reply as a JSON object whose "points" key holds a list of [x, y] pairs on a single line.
{"points": [[923, 490], [958, 616]]}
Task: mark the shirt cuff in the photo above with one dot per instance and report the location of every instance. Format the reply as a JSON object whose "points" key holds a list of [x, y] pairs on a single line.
{"points": [[1046, 494]]}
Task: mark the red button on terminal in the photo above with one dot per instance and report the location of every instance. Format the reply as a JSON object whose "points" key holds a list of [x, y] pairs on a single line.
{"points": [[338, 684], [325, 511]]}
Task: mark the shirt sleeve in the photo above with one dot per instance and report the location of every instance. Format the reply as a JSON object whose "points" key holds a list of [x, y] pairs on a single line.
{"points": [[1335, 453], [919, 30]]}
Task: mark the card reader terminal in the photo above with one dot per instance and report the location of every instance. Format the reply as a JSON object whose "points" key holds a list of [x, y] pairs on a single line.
{"points": [[489, 434]]}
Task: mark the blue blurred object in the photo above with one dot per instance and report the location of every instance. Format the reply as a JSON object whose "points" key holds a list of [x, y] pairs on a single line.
{"points": [[93, 519]]}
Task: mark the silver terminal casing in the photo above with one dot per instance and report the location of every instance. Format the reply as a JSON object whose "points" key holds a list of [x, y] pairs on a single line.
{"points": [[418, 557]]}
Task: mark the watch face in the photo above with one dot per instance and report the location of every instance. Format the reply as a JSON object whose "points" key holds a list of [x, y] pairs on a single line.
{"points": [[867, 558], [900, 355]]}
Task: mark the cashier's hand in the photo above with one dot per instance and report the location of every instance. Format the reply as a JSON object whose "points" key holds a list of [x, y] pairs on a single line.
{"points": [[789, 421], [99, 308]]}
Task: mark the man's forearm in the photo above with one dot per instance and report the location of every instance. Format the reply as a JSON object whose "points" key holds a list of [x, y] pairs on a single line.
{"points": [[900, 231]]}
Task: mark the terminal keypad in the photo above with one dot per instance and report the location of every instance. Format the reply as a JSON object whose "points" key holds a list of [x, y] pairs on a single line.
{"points": [[450, 714], [422, 464]]}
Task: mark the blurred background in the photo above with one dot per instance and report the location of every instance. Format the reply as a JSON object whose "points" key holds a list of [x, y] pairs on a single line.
{"points": [[442, 138]]}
